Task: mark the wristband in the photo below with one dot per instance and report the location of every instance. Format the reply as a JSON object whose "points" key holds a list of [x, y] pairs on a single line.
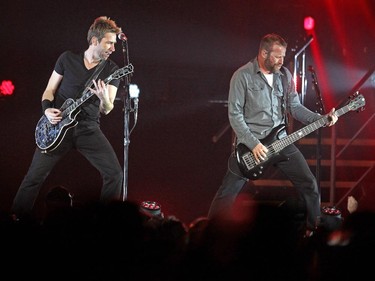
{"points": [[46, 104]]}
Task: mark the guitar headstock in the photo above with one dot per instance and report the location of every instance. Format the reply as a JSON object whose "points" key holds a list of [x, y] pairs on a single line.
{"points": [[357, 102], [126, 70]]}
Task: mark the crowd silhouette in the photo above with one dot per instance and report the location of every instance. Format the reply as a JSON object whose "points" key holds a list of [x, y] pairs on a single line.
{"points": [[122, 241]]}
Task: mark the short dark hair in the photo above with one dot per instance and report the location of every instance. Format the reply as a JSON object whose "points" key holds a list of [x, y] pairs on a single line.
{"points": [[100, 27], [268, 40]]}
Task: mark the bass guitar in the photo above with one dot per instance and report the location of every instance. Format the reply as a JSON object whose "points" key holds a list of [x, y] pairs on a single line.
{"points": [[48, 136], [254, 170]]}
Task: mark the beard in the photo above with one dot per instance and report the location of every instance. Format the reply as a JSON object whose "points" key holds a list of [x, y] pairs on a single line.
{"points": [[270, 66]]}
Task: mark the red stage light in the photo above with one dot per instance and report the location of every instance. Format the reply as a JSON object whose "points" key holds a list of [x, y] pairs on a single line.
{"points": [[309, 23], [6, 88]]}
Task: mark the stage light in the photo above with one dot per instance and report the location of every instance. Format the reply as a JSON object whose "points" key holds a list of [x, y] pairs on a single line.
{"points": [[134, 91], [309, 23], [6, 88], [151, 208]]}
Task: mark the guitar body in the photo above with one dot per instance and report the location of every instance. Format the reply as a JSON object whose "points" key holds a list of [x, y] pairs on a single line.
{"points": [[48, 136], [246, 159]]}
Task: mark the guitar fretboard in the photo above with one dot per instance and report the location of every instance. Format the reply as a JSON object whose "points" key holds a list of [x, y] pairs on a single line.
{"points": [[278, 145]]}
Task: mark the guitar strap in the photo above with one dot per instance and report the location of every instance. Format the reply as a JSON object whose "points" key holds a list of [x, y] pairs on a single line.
{"points": [[94, 76], [284, 101]]}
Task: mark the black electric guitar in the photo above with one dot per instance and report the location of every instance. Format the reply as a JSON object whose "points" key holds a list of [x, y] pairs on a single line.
{"points": [[253, 170], [48, 136]]}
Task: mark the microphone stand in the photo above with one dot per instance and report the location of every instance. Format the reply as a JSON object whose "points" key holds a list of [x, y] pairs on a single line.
{"points": [[296, 65], [127, 110], [321, 110]]}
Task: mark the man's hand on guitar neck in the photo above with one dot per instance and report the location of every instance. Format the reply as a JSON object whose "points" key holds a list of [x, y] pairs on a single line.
{"points": [[53, 115], [332, 118]]}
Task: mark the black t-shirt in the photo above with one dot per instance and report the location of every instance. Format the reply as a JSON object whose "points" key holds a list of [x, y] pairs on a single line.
{"points": [[75, 76]]}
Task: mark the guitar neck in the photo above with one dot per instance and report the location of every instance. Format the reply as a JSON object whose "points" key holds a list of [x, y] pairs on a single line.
{"points": [[297, 135], [126, 70], [84, 97], [77, 103]]}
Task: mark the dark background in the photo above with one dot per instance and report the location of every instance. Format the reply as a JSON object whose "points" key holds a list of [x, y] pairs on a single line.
{"points": [[184, 53]]}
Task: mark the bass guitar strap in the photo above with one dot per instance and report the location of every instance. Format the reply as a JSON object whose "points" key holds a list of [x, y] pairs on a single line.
{"points": [[284, 105]]}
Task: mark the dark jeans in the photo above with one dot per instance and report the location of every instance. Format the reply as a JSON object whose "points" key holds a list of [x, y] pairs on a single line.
{"points": [[295, 169], [90, 141]]}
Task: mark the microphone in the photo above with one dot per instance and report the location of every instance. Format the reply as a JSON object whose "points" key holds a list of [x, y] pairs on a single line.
{"points": [[121, 36]]}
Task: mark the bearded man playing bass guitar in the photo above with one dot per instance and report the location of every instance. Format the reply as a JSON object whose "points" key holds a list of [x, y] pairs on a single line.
{"points": [[72, 74], [260, 95]]}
